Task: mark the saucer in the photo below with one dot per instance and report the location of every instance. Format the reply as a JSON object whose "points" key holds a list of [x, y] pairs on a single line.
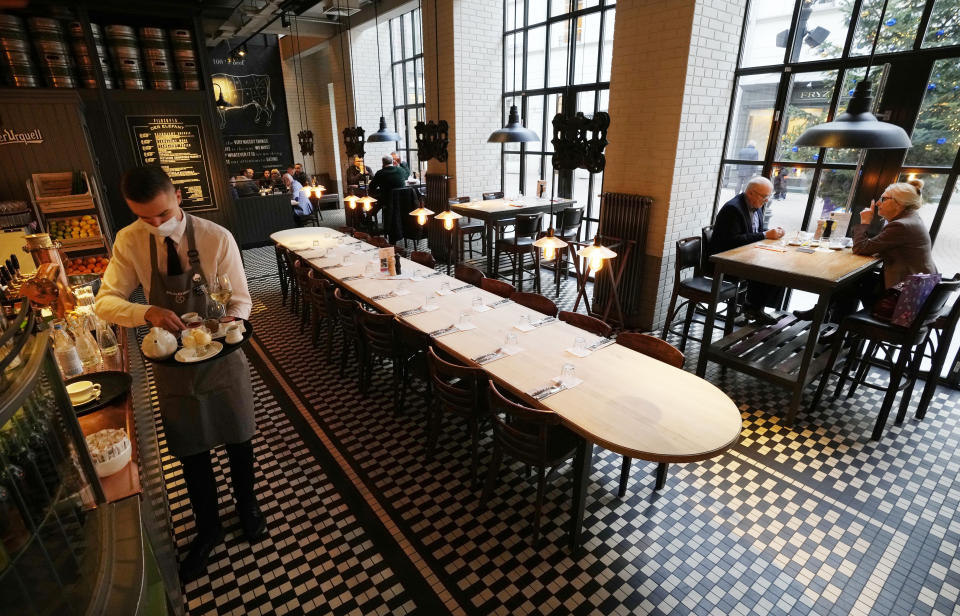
{"points": [[91, 397], [187, 357]]}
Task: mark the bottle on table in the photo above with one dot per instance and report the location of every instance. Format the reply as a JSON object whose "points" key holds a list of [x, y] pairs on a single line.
{"points": [[64, 349], [87, 348], [109, 349]]}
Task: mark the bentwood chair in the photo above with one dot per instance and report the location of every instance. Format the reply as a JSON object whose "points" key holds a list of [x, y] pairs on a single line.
{"points": [[282, 271], [300, 271], [531, 436], [591, 324], [412, 345], [423, 258], [347, 310], [291, 259], [907, 342], [457, 390], [695, 290], [346, 230], [468, 230], [567, 226], [536, 302], [362, 236], [498, 287], [654, 347], [468, 274], [319, 294], [490, 196], [504, 224], [379, 341], [519, 247]]}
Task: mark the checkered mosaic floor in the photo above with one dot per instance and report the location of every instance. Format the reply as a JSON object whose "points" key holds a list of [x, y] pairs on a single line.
{"points": [[813, 519]]}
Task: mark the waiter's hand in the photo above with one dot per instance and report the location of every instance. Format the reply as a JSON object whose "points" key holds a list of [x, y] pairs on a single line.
{"points": [[167, 319]]}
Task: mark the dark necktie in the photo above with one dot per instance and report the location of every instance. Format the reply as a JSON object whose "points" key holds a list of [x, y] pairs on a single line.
{"points": [[173, 261]]}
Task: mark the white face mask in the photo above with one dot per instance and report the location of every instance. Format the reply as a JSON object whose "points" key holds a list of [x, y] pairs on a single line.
{"points": [[166, 229]]}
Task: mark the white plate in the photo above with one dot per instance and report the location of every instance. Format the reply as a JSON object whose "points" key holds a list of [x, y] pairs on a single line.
{"points": [[186, 357]]}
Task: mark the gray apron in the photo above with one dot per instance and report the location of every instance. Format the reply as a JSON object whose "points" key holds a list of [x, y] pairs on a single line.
{"points": [[208, 404]]}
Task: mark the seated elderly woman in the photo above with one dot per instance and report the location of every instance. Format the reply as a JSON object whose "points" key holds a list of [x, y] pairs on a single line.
{"points": [[901, 240]]}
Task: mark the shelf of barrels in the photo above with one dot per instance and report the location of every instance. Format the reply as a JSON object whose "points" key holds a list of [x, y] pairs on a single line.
{"points": [[38, 51], [66, 208]]}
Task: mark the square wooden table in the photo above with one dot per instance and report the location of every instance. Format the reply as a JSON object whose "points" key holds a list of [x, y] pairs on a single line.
{"points": [[492, 210], [785, 353]]}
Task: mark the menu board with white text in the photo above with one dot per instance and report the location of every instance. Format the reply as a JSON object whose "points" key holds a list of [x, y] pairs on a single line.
{"points": [[175, 143]]}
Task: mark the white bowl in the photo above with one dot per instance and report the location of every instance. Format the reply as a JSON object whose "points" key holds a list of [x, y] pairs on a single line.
{"points": [[115, 465]]}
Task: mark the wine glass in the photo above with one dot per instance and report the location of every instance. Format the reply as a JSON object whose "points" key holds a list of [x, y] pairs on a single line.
{"points": [[222, 291]]}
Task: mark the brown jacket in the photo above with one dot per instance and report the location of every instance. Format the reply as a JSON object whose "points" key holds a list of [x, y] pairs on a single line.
{"points": [[903, 244]]}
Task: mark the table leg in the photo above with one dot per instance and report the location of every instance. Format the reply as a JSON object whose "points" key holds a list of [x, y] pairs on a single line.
{"points": [[582, 465], [818, 314], [661, 475], [488, 240], [708, 324]]}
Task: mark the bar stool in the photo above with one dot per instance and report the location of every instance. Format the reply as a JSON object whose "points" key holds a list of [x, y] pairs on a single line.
{"points": [[518, 247], [908, 342], [694, 290]]}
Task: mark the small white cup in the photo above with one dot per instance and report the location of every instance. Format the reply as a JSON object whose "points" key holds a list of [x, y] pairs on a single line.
{"points": [[81, 391]]}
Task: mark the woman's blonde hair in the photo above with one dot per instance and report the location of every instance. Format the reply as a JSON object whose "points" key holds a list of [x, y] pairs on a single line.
{"points": [[908, 194]]}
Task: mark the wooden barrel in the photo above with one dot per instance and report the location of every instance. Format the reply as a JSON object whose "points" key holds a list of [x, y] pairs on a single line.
{"points": [[18, 65], [56, 63], [157, 59], [126, 56], [83, 58], [185, 58]]}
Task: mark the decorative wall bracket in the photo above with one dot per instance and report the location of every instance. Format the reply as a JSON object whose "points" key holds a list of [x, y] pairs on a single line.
{"points": [[432, 140], [353, 141], [306, 142], [572, 148]]}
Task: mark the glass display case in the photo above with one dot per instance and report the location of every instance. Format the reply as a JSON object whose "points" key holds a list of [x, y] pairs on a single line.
{"points": [[50, 517]]}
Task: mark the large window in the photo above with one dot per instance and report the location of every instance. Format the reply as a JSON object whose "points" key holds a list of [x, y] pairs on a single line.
{"points": [[556, 60], [406, 66], [799, 63]]}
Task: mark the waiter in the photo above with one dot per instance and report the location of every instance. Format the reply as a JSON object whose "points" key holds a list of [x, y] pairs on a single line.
{"points": [[171, 254]]}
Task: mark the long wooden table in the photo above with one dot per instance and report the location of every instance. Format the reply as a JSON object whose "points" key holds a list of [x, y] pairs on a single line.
{"points": [[492, 210], [628, 403], [786, 353]]}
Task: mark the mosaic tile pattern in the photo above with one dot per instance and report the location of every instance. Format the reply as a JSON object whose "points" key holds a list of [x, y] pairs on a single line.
{"points": [[813, 519]]}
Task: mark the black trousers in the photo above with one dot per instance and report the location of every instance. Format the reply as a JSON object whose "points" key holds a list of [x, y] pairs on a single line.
{"points": [[867, 290], [202, 486]]}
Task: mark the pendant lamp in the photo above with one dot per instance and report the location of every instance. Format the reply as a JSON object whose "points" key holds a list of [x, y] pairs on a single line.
{"points": [[367, 203], [421, 213], [550, 244], [857, 127], [449, 219], [514, 131], [383, 134], [596, 254], [351, 201]]}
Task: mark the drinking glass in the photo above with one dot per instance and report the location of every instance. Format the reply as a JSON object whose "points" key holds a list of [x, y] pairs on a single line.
{"points": [[221, 291], [345, 260], [524, 321], [444, 288], [316, 244], [402, 288], [369, 270], [429, 301], [510, 340], [477, 303], [567, 373], [847, 242], [465, 319], [579, 345]]}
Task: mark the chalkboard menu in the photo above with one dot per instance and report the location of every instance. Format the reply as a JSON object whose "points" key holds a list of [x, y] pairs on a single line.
{"points": [[175, 143]]}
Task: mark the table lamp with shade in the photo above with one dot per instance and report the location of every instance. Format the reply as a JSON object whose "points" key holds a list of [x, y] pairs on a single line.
{"points": [[366, 202], [421, 213], [596, 254], [351, 201], [550, 244], [449, 219]]}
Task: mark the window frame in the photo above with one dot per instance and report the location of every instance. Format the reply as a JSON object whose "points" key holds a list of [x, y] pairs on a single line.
{"points": [[408, 148]]}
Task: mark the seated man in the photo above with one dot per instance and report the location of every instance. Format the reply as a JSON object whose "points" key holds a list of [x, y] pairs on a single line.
{"points": [[302, 206], [391, 176], [739, 222], [358, 173], [246, 187]]}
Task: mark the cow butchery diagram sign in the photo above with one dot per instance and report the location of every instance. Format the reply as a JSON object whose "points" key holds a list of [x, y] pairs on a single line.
{"points": [[174, 143], [252, 106]]}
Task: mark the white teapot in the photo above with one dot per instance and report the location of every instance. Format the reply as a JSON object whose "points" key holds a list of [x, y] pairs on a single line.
{"points": [[159, 344]]}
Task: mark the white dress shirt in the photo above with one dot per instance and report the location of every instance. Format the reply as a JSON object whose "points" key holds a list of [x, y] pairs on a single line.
{"points": [[130, 267]]}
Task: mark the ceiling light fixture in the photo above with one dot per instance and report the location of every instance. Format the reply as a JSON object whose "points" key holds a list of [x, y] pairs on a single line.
{"points": [[383, 134]]}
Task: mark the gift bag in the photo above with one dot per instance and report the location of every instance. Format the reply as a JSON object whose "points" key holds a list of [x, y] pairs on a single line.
{"points": [[916, 289]]}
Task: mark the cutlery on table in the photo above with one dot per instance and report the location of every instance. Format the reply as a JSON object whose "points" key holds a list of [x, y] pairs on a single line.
{"points": [[462, 288], [500, 302], [546, 392], [383, 296], [486, 358], [349, 278], [601, 343], [443, 331], [411, 312]]}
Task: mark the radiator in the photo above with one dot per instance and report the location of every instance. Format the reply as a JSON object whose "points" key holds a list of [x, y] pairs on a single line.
{"points": [[622, 217], [438, 238]]}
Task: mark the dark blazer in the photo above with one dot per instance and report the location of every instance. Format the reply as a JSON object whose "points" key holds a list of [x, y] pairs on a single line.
{"points": [[732, 227], [388, 178], [903, 243]]}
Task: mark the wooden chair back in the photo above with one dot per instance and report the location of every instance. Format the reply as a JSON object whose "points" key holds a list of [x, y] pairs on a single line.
{"points": [[498, 287], [363, 237], [319, 292], [424, 258], [651, 346], [586, 322], [535, 301], [457, 389], [490, 196], [523, 432], [380, 242], [458, 200], [379, 332], [468, 274], [346, 230], [347, 314], [568, 222]]}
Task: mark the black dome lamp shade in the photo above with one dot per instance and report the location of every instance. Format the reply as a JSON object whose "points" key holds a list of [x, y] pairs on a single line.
{"points": [[514, 131], [857, 127], [384, 134]]}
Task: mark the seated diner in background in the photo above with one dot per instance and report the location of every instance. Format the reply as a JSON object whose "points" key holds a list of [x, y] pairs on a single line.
{"points": [[394, 174], [739, 222], [358, 174], [276, 180], [246, 187], [266, 181], [898, 236], [300, 200]]}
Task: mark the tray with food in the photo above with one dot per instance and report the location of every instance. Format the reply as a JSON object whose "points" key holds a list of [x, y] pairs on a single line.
{"points": [[198, 343]]}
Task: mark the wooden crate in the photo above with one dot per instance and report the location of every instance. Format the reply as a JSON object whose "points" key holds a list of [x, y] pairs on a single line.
{"points": [[81, 243], [52, 193]]}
